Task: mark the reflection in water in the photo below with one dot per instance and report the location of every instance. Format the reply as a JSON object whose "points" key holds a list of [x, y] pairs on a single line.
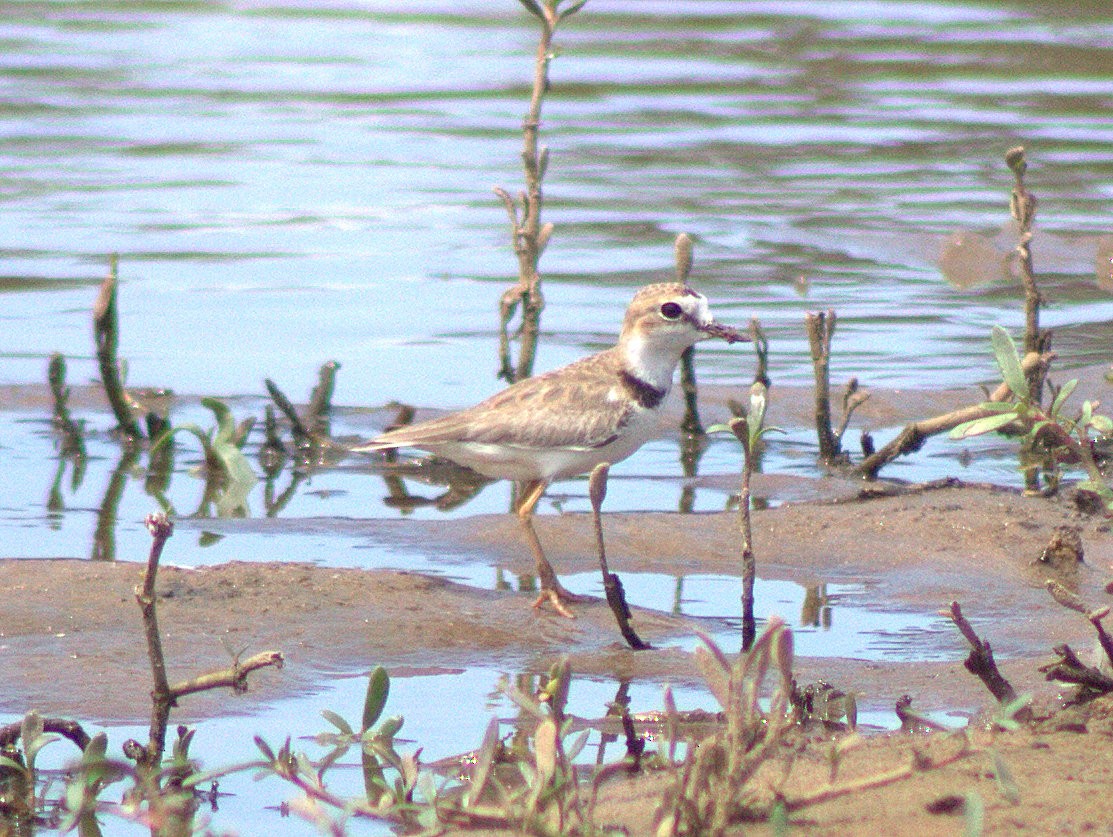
{"points": [[69, 438], [274, 504], [104, 538], [692, 447], [462, 483], [816, 610]]}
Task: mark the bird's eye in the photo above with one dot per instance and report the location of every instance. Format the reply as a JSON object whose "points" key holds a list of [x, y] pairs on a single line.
{"points": [[671, 311]]}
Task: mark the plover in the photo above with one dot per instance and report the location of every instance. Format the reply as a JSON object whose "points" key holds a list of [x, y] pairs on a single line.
{"points": [[601, 408]]}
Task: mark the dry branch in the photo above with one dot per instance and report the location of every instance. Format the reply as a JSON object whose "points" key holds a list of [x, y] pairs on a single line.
{"points": [[71, 730], [528, 235], [612, 584], [163, 696], [914, 435], [1069, 669], [821, 327], [234, 678], [981, 663], [320, 402], [918, 764]]}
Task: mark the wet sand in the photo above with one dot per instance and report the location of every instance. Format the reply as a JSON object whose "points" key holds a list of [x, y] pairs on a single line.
{"points": [[71, 642]]}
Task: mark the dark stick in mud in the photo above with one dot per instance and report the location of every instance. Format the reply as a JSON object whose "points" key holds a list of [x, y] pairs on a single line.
{"points": [[612, 584], [821, 327], [981, 663]]}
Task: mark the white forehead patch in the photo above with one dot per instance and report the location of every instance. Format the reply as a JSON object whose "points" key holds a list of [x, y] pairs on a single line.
{"points": [[697, 308]]}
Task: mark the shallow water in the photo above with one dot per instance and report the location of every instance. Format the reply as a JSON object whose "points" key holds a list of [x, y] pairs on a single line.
{"points": [[289, 183]]}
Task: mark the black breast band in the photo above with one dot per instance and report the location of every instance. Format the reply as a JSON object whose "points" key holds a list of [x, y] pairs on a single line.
{"points": [[643, 392]]}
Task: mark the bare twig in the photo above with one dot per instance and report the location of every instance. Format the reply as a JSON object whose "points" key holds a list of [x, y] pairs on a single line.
{"points": [[234, 678], [740, 428], [161, 529], [821, 327], [918, 764], [1069, 669], [981, 662], [320, 402], [853, 398], [612, 584], [761, 350], [71, 730], [1104, 639], [690, 424], [73, 444], [913, 436], [164, 696], [528, 235], [1022, 206], [302, 435]]}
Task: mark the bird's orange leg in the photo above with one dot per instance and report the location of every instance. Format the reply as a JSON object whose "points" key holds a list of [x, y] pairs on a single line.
{"points": [[552, 590]]}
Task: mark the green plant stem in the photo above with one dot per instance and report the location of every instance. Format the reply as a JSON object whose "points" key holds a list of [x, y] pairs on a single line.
{"points": [[106, 337], [749, 563]]}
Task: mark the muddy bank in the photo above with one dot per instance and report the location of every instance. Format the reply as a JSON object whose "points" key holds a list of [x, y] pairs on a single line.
{"points": [[71, 641]]}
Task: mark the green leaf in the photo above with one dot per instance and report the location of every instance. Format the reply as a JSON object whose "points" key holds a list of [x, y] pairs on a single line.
{"points": [[427, 787], [29, 730], [1062, 395], [484, 762], [96, 749], [758, 404], [337, 721], [75, 796], [240, 478], [203, 436], [571, 10], [1087, 413], [378, 689], [1008, 361], [577, 746], [973, 815], [545, 749], [1102, 424], [533, 8], [986, 424], [1006, 784], [264, 748], [390, 727], [12, 765], [225, 424]]}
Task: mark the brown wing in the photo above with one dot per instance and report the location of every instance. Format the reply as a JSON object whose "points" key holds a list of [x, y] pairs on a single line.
{"points": [[564, 408]]}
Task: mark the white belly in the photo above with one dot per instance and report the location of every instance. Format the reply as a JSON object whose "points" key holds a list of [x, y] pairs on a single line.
{"points": [[510, 462]]}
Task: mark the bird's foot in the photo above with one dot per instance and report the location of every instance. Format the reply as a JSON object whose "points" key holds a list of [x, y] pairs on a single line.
{"points": [[559, 598]]}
